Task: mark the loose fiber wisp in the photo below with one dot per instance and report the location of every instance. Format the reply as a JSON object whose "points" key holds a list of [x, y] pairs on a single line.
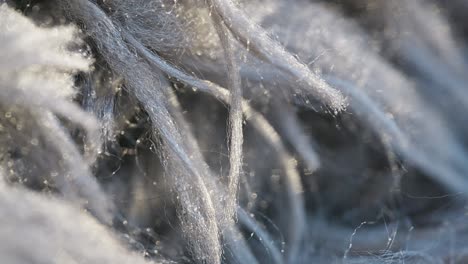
{"points": [[233, 131]]}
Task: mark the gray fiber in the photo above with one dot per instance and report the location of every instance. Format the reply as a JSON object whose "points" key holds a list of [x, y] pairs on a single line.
{"points": [[233, 131]]}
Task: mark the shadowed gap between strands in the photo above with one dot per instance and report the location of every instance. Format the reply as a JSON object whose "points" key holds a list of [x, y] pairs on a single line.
{"points": [[388, 130], [234, 239], [242, 252], [287, 120], [230, 233]]}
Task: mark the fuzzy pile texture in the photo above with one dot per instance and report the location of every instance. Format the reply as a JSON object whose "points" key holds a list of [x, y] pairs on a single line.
{"points": [[233, 131]]}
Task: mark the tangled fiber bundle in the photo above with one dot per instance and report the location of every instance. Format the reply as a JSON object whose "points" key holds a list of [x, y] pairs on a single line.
{"points": [[222, 131]]}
